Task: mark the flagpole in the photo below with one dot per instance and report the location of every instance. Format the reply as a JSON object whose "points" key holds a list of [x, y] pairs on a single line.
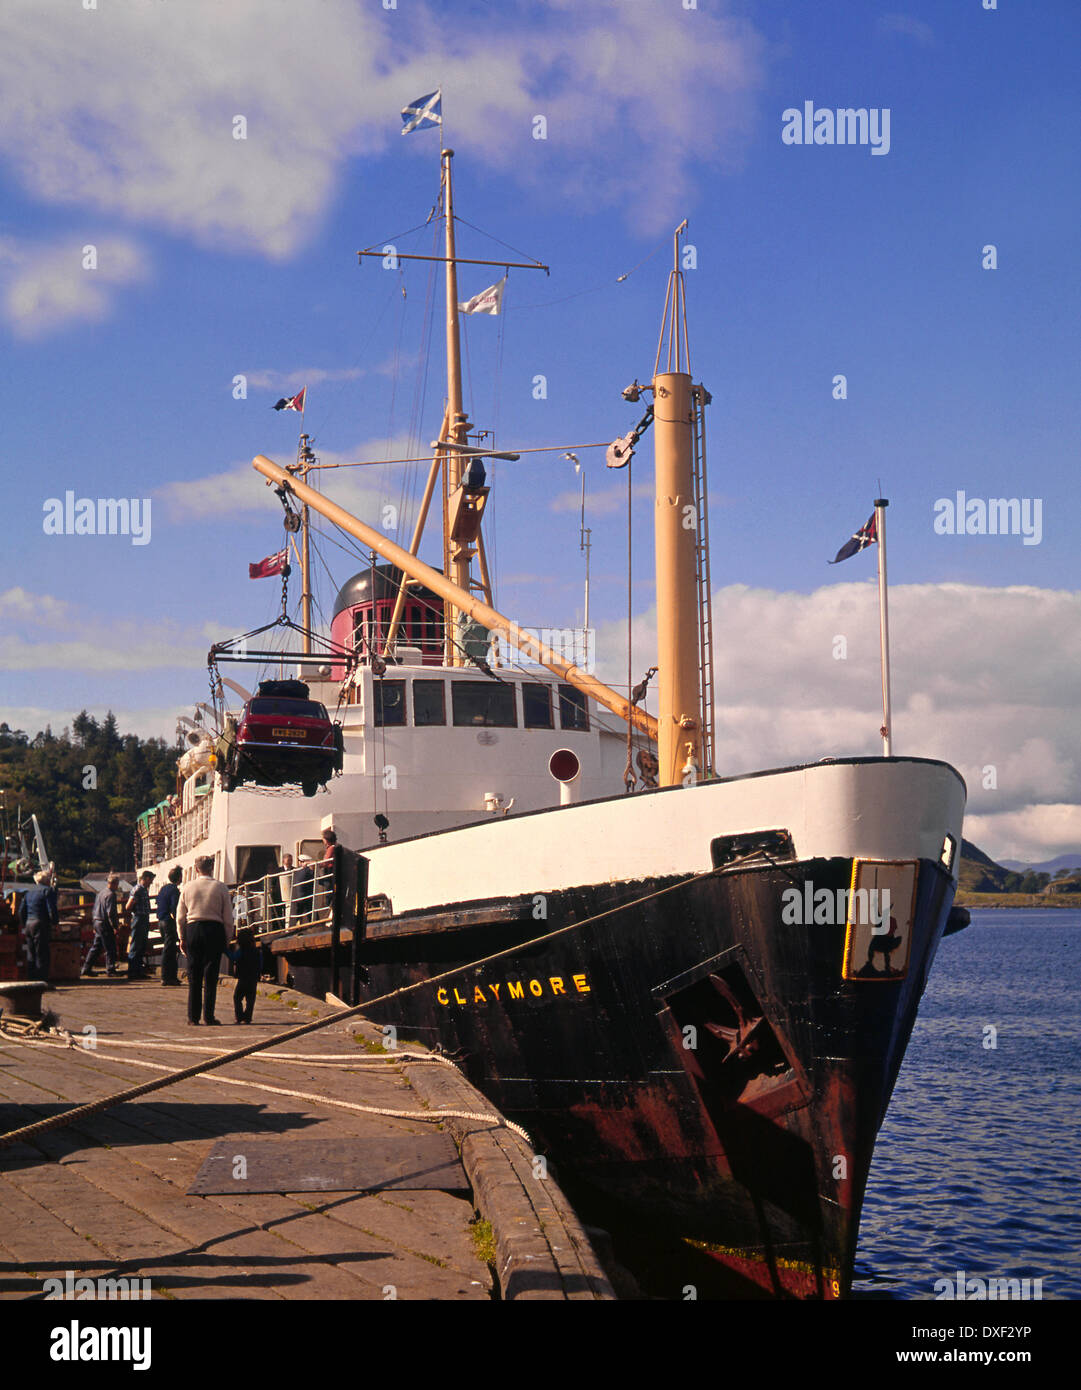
{"points": [[881, 503], [456, 553]]}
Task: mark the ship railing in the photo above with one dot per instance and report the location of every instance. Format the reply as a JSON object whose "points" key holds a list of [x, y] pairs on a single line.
{"points": [[188, 829], [283, 901]]}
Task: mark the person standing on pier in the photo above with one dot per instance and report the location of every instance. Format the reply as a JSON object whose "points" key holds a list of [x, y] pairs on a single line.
{"points": [[168, 901], [39, 915], [139, 907], [326, 870], [106, 925], [246, 955], [282, 891], [205, 920]]}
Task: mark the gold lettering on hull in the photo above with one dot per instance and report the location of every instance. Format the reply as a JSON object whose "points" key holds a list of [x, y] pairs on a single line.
{"points": [[550, 987]]}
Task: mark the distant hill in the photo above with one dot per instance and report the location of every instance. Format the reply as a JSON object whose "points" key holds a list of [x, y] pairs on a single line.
{"points": [[1049, 866], [979, 873]]}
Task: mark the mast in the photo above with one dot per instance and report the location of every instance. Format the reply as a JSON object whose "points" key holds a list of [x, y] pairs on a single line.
{"points": [[304, 462], [469, 604], [452, 454], [679, 750], [456, 554]]}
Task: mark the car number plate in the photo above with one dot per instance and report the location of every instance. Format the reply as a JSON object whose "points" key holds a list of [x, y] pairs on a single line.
{"points": [[289, 733]]}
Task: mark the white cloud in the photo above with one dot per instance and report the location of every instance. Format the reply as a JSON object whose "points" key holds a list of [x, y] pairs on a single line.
{"points": [[1033, 834], [17, 605], [240, 490], [604, 502], [908, 25], [983, 678], [131, 109], [46, 287], [291, 380], [42, 633]]}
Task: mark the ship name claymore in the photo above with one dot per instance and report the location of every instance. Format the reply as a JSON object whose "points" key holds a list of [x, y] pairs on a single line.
{"points": [[514, 989]]}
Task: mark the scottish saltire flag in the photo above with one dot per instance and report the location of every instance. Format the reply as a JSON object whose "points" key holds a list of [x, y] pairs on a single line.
{"points": [[273, 564], [293, 403], [489, 301], [423, 112], [865, 536]]}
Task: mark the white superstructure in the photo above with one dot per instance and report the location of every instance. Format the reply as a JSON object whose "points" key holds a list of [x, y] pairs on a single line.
{"points": [[487, 759]]}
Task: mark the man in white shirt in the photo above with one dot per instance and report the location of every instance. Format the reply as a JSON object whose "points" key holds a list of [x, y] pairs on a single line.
{"points": [[204, 918]]}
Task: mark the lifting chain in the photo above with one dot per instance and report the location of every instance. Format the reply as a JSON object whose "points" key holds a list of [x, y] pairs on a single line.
{"points": [[285, 588]]}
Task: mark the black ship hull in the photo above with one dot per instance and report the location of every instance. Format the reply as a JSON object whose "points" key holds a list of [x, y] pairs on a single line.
{"points": [[687, 1054]]}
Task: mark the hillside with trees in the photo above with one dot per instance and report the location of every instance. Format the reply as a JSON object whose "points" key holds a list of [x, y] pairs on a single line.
{"points": [[86, 786], [983, 883]]}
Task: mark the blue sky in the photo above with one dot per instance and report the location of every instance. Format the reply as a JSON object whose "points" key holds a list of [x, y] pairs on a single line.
{"points": [[218, 257]]}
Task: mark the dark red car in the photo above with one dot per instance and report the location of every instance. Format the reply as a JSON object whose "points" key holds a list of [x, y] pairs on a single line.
{"points": [[282, 737]]}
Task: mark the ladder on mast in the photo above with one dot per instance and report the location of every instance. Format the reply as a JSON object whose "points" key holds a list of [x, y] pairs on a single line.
{"points": [[700, 398]]}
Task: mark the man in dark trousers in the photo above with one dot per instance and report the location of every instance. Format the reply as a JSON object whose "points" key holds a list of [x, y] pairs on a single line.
{"points": [[205, 920], [38, 913], [168, 901], [139, 907], [106, 925]]}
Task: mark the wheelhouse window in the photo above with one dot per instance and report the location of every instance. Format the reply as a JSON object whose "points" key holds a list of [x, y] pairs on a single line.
{"points": [[536, 705], [429, 703], [389, 703], [573, 708], [487, 704]]}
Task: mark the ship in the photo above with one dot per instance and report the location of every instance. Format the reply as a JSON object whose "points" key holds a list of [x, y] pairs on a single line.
{"points": [[693, 990]]}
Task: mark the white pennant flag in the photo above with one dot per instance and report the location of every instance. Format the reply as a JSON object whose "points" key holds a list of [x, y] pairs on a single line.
{"points": [[489, 301]]}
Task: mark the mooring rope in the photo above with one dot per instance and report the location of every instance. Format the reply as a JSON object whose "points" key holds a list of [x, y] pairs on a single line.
{"points": [[497, 1120], [321, 1058], [135, 1092]]}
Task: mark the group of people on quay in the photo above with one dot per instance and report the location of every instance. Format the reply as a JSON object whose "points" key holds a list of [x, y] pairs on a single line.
{"points": [[196, 920]]}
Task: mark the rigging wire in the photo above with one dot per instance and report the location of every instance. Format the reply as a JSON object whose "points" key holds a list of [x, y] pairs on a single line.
{"points": [[505, 244], [420, 391], [334, 396], [596, 289]]}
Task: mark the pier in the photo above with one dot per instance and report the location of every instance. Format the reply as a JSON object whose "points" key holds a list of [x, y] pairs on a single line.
{"points": [[181, 1192]]}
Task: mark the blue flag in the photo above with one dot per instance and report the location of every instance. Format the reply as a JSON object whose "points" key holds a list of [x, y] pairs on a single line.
{"points": [[423, 112], [865, 536]]}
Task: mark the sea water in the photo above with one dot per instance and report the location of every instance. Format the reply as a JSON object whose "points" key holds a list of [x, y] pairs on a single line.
{"points": [[978, 1163]]}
